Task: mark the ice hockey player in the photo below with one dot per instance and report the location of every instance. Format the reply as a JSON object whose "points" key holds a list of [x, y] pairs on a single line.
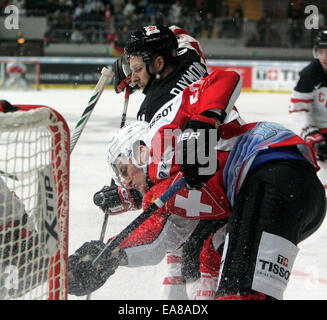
{"points": [[308, 103], [166, 230], [266, 175], [162, 62], [16, 75], [230, 88]]}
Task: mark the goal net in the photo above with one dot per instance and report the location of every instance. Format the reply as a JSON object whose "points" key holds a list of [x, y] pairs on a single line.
{"points": [[19, 74], [34, 199]]}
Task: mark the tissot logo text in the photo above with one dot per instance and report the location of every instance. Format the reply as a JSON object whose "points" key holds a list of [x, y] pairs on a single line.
{"points": [[274, 268]]}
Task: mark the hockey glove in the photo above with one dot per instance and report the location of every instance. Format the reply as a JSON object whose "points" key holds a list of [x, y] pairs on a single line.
{"points": [[123, 75], [317, 140], [117, 199], [196, 151], [84, 277]]}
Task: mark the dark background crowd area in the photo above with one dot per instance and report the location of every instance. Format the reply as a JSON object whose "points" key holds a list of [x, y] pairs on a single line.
{"points": [[111, 21]]}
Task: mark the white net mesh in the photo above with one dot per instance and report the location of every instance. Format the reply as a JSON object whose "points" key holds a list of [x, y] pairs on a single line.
{"points": [[33, 205]]}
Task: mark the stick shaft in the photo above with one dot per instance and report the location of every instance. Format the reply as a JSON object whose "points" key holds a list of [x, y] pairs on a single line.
{"points": [[122, 123], [106, 75], [106, 214]]}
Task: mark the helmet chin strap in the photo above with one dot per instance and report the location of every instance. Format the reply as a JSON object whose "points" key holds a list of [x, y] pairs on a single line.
{"points": [[153, 76]]}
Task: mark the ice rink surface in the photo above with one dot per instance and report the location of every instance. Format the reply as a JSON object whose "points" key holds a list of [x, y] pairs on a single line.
{"points": [[89, 173]]}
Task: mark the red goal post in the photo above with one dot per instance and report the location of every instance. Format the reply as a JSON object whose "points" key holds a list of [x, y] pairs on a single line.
{"points": [[34, 183]]}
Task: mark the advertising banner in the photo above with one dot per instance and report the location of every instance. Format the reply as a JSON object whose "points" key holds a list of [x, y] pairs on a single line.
{"points": [[275, 78]]}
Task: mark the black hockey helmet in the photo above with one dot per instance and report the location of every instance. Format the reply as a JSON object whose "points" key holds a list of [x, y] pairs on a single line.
{"points": [[152, 40], [320, 41]]}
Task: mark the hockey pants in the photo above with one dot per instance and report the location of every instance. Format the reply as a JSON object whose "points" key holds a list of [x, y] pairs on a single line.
{"points": [[278, 205]]}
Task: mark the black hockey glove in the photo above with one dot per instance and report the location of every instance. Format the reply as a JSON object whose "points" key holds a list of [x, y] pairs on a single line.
{"points": [[84, 277], [117, 199], [122, 77], [196, 151], [321, 148], [318, 141]]}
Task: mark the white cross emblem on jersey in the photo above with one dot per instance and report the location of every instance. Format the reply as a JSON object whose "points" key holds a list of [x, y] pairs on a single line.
{"points": [[192, 204]]}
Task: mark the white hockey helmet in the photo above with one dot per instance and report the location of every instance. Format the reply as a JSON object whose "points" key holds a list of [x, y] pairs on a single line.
{"points": [[123, 145]]}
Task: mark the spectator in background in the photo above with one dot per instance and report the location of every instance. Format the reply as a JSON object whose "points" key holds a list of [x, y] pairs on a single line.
{"points": [[262, 29], [253, 41], [237, 23], [150, 13], [108, 19], [97, 9], [273, 37], [161, 16], [79, 11], [56, 19], [129, 8], [198, 24], [223, 20], [66, 5], [295, 10], [88, 6], [118, 6], [107, 13], [136, 22], [119, 18], [209, 23], [295, 33], [67, 20], [175, 13], [77, 36], [295, 17]]}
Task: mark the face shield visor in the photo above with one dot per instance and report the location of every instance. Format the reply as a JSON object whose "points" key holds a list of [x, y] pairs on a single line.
{"points": [[119, 166], [124, 149]]}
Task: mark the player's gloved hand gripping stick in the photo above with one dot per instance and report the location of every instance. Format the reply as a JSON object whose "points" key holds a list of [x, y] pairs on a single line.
{"points": [[157, 204], [93, 263]]}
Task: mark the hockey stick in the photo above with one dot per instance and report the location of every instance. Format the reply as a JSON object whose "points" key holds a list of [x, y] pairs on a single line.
{"points": [[157, 204], [8, 175], [122, 123], [106, 214], [106, 75]]}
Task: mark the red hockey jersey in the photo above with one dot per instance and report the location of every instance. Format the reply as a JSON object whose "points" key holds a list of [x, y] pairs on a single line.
{"points": [[171, 226], [237, 149]]}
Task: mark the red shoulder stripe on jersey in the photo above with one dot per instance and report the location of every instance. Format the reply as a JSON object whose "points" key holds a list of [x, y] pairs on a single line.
{"points": [[294, 100], [195, 44], [173, 280], [299, 110]]}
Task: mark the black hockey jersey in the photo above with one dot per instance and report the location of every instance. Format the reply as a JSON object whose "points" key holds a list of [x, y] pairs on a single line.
{"points": [[308, 105], [190, 68]]}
